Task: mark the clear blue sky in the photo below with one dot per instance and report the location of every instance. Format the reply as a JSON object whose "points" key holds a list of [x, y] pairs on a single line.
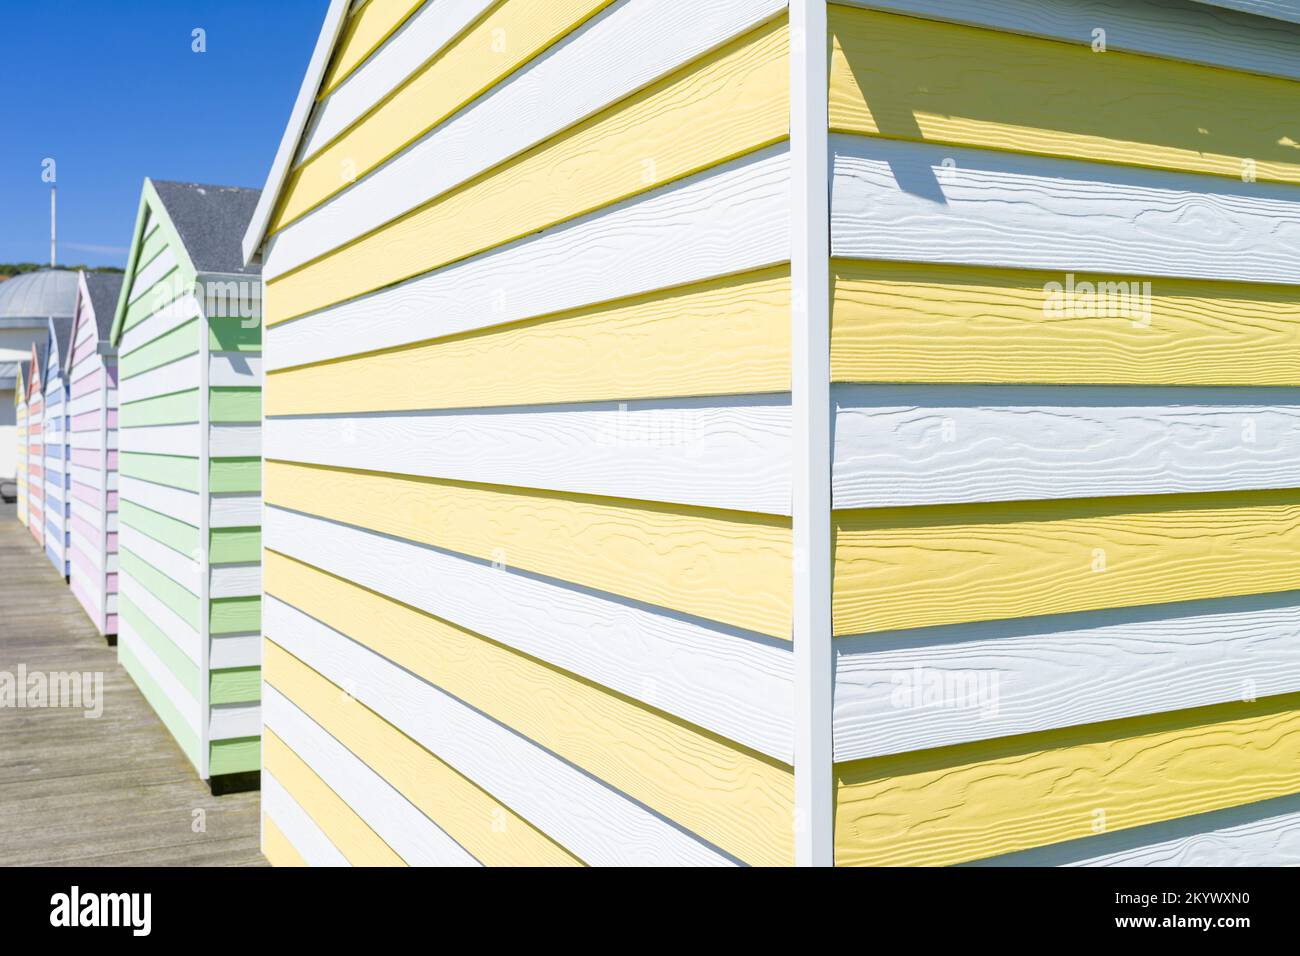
{"points": [[112, 90]]}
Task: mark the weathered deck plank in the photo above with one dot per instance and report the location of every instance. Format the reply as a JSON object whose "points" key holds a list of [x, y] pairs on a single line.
{"points": [[109, 791]]}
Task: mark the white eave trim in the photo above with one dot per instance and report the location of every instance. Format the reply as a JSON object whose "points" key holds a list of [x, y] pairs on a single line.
{"points": [[302, 107]]}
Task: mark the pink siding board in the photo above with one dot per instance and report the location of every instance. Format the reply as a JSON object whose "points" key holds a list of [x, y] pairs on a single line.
{"points": [[83, 527], [87, 383], [87, 494]]}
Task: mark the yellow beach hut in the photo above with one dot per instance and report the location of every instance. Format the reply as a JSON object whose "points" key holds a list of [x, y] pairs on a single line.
{"points": [[766, 433]]}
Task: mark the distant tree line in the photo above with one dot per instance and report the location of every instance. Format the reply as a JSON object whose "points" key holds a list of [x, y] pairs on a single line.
{"points": [[10, 269]]}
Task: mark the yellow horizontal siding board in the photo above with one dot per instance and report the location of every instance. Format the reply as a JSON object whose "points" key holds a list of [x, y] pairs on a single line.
{"points": [[734, 798], [276, 846], [923, 80], [728, 336], [905, 322], [732, 567], [338, 821], [489, 831], [366, 28], [729, 103], [922, 566], [973, 801], [498, 44]]}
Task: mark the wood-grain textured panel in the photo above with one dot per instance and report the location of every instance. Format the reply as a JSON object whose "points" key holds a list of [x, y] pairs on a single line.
{"points": [[1055, 99], [730, 567], [956, 804], [736, 799], [491, 49], [728, 104], [921, 322], [918, 567], [729, 336]]}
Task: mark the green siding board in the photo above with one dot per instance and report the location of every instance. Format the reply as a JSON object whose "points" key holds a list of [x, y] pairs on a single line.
{"points": [[235, 546], [175, 660], [237, 615], [235, 334], [151, 248], [158, 296], [229, 404], [235, 685], [174, 595], [160, 702], [236, 755], [165, 529], [227, 475], [179, 343], [172, 470], [177, 408]]}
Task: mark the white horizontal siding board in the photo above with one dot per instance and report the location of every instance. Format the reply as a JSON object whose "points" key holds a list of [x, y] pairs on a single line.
{"points": [[1288, 10], [413, 44], [593, 821], [178, 630], [173, 689], [93, 439], [148, 277], [90, 402], [235, 580], [933, 687], [169, 316], [234, 370], [895, 200], [184, 440], [412, 835], [727, 453], [297, 826], [181, 568], [235, 510], [232, 721], [730, 219], [235, 650], [921, 445], [1172, 29], [93, 477], [178, 376], [175, 502], [709, 675], [235, 441], [1266, 833], [615, 53]]}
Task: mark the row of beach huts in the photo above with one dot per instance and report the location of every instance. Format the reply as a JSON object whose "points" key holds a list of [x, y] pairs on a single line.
{"points": [[746, 432]]}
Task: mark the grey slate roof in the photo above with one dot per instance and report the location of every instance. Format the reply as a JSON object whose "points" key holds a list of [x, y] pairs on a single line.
{"points": [[39, 295], [62, 336], [211, 221], [104, 288]]}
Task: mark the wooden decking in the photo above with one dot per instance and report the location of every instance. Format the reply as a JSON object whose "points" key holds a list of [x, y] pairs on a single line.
{"points": [[108, 791]]}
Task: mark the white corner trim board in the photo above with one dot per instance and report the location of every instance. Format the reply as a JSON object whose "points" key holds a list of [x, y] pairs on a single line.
{"points": [[811, 451], [729, 219], [921, 445], [933, 687], [732, 684], [897, 201], [731, 453], [302, 109]]}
